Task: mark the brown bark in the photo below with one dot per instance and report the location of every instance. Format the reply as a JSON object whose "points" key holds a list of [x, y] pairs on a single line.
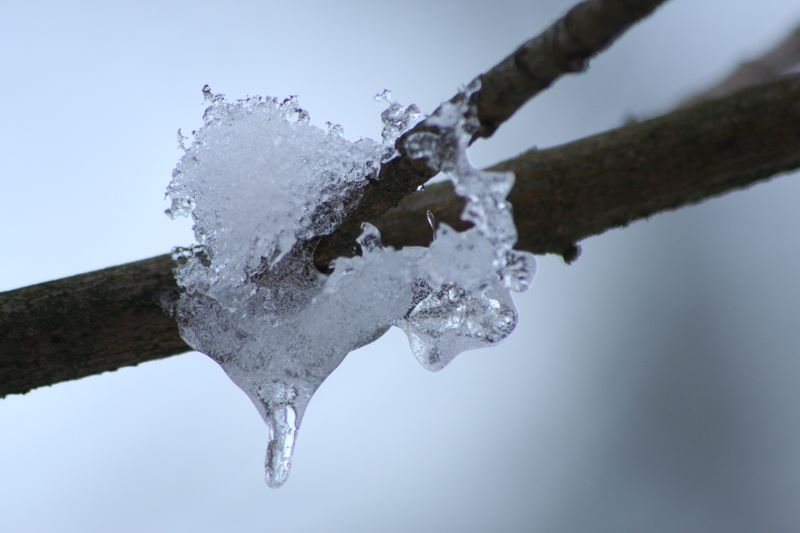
{"points": [[87, 324], [73, 327]]}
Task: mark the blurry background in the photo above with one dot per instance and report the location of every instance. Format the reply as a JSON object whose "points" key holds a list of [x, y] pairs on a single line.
{"points": [[652, 386]]}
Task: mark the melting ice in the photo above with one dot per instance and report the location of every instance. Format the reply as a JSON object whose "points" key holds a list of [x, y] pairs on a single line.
{"points": [[261, 183]]}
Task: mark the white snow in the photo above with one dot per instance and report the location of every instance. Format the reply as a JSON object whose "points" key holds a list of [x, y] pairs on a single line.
{"points": [[260, 183]]}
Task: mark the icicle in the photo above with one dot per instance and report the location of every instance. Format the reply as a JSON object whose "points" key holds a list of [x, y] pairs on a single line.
{"points": [[280, 414]]}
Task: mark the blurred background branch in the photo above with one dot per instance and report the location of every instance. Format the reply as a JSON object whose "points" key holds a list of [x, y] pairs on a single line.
{"points": [[775, 62]]}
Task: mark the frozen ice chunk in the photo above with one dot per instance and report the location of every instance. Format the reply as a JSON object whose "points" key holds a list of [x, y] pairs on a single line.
{"points": [[262, 184], [451, 320], [520, 270], [397, 119], [467, 275], [458, 258]]}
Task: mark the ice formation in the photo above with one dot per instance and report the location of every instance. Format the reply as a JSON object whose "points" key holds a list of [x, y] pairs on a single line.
{"points": [[261, 183]]}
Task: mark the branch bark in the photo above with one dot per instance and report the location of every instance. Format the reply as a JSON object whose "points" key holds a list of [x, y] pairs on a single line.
{"points": [[74, 327], [87, 324]]}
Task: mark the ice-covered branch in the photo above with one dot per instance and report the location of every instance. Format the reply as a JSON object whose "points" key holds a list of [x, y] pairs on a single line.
{"points": [[74, 327], [565, 47]]}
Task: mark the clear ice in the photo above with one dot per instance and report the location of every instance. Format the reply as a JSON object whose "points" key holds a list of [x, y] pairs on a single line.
{"points": [[261, 183]]}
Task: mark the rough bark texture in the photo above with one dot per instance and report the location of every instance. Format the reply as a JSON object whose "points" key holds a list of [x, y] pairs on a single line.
{"points": [[73, 327], [564, 47], [87, 324]]}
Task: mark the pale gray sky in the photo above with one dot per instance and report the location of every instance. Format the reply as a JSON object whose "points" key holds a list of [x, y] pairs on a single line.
{"points": [[652, 386]]}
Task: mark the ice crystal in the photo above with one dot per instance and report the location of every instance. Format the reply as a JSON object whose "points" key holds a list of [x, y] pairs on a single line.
{"points": [[261, 184]]}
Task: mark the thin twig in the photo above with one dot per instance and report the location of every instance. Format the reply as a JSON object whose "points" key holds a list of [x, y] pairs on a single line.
{"points": [[563, 48]]}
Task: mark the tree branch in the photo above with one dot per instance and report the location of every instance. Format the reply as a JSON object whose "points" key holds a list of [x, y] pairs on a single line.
{"points": [[563, 48], [87, 324], [74, 327]]}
